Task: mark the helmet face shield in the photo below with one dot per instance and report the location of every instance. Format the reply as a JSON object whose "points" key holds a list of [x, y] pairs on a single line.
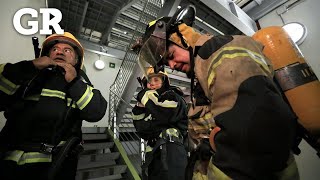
{"points": [[153, 51]]}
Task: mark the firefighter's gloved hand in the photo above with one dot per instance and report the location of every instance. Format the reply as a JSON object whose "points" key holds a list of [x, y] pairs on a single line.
{"points": [[43, 62], [77, 150], [199, 95], [141, 94], [205, 151]]}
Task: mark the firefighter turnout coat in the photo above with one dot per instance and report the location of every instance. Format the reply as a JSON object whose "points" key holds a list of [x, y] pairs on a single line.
{"points": [[41, 107], [257, 126]]}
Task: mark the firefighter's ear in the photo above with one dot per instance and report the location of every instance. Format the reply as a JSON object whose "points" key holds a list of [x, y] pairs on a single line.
{"points": [[185, 15]]}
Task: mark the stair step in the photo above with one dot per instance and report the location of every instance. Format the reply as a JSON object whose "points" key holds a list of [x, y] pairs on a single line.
{"points": [[126, 125], [94, 129], [126, 120], [129, 128], [101, 171], [94, 136], [131, 147], [90, 165], [95, 146], [110, 177], [98, 157]]}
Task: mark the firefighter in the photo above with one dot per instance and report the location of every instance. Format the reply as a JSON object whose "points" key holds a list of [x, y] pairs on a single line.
{"points": [[44, 102], [160, 118], [254, 129]]}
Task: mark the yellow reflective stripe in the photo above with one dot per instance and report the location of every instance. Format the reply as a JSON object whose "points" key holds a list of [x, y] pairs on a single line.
{"points": [[53, 93], [172, 132], [234, 52], [14, 155], [61, 143], [213, 74], [6, 85], [154, 21], [215, 173], [33, 97], [35, 157], [151, 95], [203, 123], [86, 98], [149, 148], [247, 50], [138, 117], [145, 97], [21, 158], [69, 100]]}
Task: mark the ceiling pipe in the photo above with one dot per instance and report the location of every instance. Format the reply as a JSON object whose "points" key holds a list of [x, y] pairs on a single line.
{"points": [[259, 8], [83, 17], [240, 3], [251, 5]]}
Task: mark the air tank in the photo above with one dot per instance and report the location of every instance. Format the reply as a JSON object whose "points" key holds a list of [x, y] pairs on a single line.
{"points": [[296, 78]]}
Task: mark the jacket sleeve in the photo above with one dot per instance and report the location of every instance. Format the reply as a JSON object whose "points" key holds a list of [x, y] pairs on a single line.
{"points": [[138, 113], [89, 100], [12, 77], [164, 109]]}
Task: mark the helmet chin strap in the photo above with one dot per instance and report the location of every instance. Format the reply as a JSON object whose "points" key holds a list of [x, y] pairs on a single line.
{"points": [[158, 68], [191, 73]]}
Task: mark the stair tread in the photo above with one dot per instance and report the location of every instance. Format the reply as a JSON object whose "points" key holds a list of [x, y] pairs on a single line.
{"points": [[99, 164], [94, 136], [120, 168], [110, 177], [99, 157], [101, 145], [94, 129], [110, 172]]}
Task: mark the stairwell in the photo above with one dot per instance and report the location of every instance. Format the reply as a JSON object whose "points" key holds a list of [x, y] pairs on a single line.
{"points": [[101, 159]]}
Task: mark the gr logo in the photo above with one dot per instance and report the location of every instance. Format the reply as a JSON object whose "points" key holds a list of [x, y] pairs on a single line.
{"points": [[33, 24]]}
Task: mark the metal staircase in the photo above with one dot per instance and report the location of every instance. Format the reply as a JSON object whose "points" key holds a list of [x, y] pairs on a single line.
{"points": [[122, 90], [100, 159], [116, 153]]}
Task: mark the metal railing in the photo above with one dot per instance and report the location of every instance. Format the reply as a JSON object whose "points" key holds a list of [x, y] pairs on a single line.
{"points": [[124, 131], [120, 121]]}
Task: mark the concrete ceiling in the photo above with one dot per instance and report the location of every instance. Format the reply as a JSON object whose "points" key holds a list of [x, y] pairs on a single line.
{"points": [[114, 23]]}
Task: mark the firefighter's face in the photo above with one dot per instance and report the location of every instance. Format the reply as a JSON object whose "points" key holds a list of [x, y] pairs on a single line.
{"points": [[62, 52], [178, 58], [155, 82]]}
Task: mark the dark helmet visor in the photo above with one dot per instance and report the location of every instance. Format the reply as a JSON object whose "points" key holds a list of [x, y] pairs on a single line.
{"points": [[153, 51]]}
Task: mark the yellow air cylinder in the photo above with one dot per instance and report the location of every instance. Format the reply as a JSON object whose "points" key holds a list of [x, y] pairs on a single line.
{"points": [[296, 78]]}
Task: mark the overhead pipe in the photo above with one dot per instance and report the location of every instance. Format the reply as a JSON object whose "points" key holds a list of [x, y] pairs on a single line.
{"points": [[240, 3], [252, 4], [257, 11], [83, 17]]}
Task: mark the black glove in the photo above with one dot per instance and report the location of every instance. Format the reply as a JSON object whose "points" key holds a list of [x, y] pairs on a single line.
{"points": [[199, 95], [141, 94], [204, 150]]}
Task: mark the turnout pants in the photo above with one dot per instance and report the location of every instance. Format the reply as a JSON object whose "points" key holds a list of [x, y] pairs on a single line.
{"points": [[166, 162]]}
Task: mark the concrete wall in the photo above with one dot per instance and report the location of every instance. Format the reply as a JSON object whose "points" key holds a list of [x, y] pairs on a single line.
{"points": [[16, 47], [307, 13], [101, 79]]}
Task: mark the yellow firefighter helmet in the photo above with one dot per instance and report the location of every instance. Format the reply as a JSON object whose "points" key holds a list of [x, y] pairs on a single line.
{"points": [[67, 38], [149, 73]]}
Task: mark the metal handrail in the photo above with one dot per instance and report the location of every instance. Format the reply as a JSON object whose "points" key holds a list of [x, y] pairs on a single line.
{"points": [[125, 131], [122, 100]]}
